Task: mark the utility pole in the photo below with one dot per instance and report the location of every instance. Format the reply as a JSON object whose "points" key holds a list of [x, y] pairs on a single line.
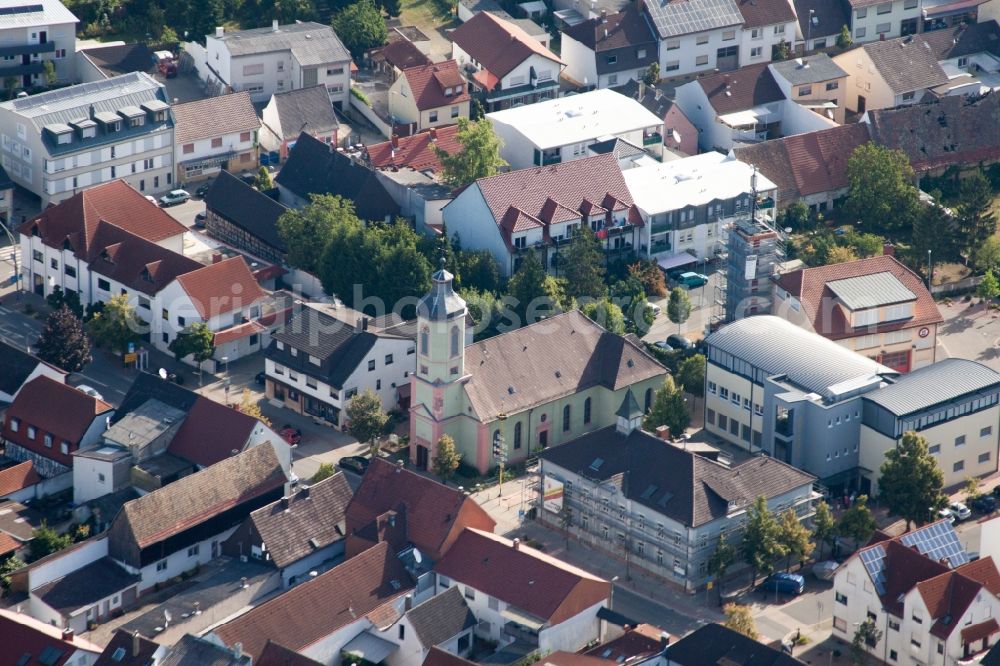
{"points": [[500, 448]]}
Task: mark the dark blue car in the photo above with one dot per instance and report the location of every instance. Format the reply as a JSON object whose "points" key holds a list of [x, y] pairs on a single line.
{"points": [[785, 583]]}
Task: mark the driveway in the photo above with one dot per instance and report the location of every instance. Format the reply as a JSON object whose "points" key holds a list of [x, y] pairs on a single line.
{"points": [[969, 332]]}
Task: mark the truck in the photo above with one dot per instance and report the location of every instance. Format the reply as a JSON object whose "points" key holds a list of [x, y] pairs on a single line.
{"points": [[166, 64]]}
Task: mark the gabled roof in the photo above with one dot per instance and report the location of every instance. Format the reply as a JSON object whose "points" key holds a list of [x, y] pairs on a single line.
{"points": [[195, 499], [17, 366], [24, 635], [639, 642], [557, 357], [77, 219], [498, 45], [742, 89], [401, 53], [120, 59], [275, 654], [673, 18], [311, 519], [758, 13], [828, 318], [84, 587], [441, 618], [211, 432], [214, 117], [311, 43], [309, 612], [9, 544], [430, 85], [815, 68], [191, 650], [149, 386], [624, 32], [806, 164], [138, 263], [964, 39], [531, 581], [124, 640], [415, 151], [948, 595], [304, 110], [684, 486], [315, 168], [221, 287], [907, 64], [829, 16], [438, 657], [716, 644], [251, 210], [18, 477], [952, 130], [432, 511]]}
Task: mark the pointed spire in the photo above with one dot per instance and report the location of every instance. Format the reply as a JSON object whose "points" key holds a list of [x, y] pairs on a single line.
{"points": [[630, 406]]}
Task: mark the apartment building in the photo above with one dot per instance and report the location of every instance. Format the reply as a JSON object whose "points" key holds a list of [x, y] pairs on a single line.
{"points": [[215, 134], [32, 35], [427, 96], [609, 50], [56, 143]]}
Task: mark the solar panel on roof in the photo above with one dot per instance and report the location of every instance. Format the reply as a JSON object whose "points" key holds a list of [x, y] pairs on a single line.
{"points": [[939, 542], [20, 9]]}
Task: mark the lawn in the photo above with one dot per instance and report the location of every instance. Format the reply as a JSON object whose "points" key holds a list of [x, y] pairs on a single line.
{"points": [[426, 14]]}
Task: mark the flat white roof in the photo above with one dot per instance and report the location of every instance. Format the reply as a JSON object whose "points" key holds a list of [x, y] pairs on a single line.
{"points": [[576, 118], [690, 181]]}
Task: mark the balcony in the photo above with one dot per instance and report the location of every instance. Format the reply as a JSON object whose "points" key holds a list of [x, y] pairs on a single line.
{"points": [[784, 427], [659, 228], [23, 49], [652, 139], [661, 246]]}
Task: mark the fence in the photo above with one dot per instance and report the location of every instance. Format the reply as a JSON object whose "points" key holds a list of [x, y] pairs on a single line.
{"points": [[965, 284]]}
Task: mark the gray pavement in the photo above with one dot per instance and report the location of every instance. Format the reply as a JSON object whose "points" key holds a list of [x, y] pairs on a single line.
{"points": [[969, 332]]}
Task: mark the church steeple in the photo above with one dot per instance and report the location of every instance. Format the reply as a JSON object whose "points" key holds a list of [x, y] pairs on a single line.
{"points": [[629, 414], [441, 330]]}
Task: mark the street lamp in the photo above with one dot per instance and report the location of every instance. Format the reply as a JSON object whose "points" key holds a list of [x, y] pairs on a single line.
{"points": [[14, 250], [225, 381]]}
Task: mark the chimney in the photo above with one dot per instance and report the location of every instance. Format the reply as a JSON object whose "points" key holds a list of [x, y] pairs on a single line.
{"points": [[219, 31], [216, 257], [434, 134], [238, 650], [663, 432], [604, 19], [517, 544], [395, 141], [357, 325], [364, 323], [408, 602], [304, 490], [274, 25], [664, 639], [135, 644], [67, 635], [284, 501], [889, 250]]}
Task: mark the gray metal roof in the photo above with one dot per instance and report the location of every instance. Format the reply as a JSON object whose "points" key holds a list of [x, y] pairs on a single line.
{"points": [[779, 347], [673, 18], [441, 303], [812, 69], [869, 291], [27, 13], [934, 384], [311, 43]]}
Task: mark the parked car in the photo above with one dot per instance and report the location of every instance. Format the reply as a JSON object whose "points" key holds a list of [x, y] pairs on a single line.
{"points": [[960, 510], [151, 199], [825, 570], [203, 189], [946, 514], [89, 390], [291, 435], [675, 342], [692, 280], [199, 220], [174, 197], [654, 307], [259, 377], [356, 464], [785, 583], [984, 504]]}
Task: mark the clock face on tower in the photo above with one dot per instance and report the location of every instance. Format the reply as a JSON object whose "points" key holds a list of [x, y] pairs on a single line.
{"points": [[924, 332]]}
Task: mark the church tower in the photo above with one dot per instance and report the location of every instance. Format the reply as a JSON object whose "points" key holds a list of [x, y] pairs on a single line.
{"points": [[629, 414]]}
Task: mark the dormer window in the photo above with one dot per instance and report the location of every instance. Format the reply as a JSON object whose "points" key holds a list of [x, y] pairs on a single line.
{"points": [[146, 275], [114, 127], [138, 121], [447, 92]]}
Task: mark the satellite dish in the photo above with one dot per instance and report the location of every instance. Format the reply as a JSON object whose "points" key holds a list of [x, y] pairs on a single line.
{"points": [[417, 556], [163, 373], [677, 136]]}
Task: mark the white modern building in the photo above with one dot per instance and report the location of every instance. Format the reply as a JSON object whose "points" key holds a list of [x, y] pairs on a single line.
{"points": [[688, 204], [266, 61], [32, 34], [560, 130], [56, 143]]}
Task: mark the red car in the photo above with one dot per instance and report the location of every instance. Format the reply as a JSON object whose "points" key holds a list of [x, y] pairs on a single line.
{"points": [[291, 435]]}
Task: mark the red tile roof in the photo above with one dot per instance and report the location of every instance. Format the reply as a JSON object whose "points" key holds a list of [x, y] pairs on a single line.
{"points": [[317, 608], [983, 570], [642, 641], [23, 634], [430, 83], [214, 117], [742, 89], [758, 13], [434, 513], [416, 151], [905, 568], [275, 654], [9, 544], [401, 54], [498, 46], [829, 319], [18, 477], [438, 657], [947, 598], [77, 218], [69, 422], [137, 263], [237, 332], [221, 287], [978, 632], [523, 577], [211, 432]]}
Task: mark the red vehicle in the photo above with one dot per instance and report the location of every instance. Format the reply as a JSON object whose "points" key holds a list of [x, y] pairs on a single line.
{"points": [[291, 435], [166, 64]]}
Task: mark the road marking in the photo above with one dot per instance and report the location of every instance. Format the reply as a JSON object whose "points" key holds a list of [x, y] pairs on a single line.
{"points": [[4, 310]]}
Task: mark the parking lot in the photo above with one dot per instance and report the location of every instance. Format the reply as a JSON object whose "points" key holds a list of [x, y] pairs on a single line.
{"points": [[969, 332]]}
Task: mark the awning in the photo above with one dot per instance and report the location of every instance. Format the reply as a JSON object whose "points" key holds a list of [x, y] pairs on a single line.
{"points": [[819, 105], [947, 8], [370, 647], [570, 17], [211, 160], [676, 260], [739, 119], [522, 618]]}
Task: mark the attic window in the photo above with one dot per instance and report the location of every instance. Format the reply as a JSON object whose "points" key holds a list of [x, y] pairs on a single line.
{"points": [[666, 498], [118, 655], [597, 464], [649, 491], [146, 275], [395, 584]]}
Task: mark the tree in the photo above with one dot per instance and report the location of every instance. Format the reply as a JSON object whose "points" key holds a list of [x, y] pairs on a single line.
{"points": [[367, 418], [652, 75], [606, 314], [527, 289], [781, 51], [629, 295], [250, 407], [668, 409], [448, 458], [865, 245], [844, 40], [824, 526], [10, 84], [63, 342], [678, 307], [390, 7], [263, 179], [723, 557], [116, 325], [49, 72], [857, 523], [7, 567], [989, 288], [478, 269], [838, 254], [973, 490], [975, 214], [795, 538], [486, 310], [866, 637], [933, 230], [880, 193], [309, 230], [651, 277], [739, 618], [196, 341], [761, 539], [796, 217], [360, 27], [71, 298], [46, 541], [584, 266], [325, 471], [910, 480], [987, 255], [479, 156], [691, 374]]}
